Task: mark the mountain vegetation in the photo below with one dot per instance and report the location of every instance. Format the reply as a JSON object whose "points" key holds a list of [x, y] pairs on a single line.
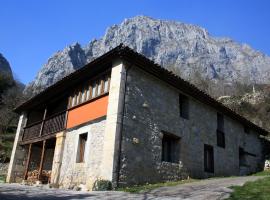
{"points": [[10, 96]]}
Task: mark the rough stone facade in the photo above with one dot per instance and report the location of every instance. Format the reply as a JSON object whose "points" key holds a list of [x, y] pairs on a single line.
{"points": [[151, 107], [74, 174]]}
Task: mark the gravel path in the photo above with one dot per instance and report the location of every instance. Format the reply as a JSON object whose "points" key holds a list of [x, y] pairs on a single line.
{"points": [[210, 189]]}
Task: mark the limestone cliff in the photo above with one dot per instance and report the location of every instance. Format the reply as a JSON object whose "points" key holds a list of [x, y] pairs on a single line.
{"points": [[182, 48]]}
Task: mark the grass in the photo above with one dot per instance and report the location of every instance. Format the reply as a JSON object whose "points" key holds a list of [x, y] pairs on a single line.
{"points": [[263, 173], [148, 187], [259, 190]]}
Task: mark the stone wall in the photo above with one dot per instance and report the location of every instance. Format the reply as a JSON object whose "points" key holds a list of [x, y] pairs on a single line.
{"points": [[18, 155], [152, 106], [73, 174]]}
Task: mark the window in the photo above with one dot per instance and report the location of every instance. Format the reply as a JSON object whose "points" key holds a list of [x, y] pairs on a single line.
{"points": [[242, 157], [220, 139], [170, 148], [81, 147], [208, 158], [220, 122], [246, 129], [220, 131], [184, 106]]}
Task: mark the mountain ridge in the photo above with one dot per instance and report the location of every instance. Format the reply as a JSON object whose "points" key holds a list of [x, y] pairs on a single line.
{"points": [[182, 48], [5, 68]]}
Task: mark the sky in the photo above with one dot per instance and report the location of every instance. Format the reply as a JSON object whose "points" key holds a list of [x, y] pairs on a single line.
{"points": [[31, 31]]}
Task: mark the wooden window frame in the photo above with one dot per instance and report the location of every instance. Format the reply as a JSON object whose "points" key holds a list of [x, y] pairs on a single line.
{"points": [[171, 145], [81, 148]]}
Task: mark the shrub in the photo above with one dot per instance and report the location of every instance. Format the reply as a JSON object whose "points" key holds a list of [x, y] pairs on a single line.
{"points": [[102, 185]]}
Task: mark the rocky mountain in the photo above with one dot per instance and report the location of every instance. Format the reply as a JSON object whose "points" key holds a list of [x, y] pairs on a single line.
{"points": [[5, 68], [183, 48], [254, 105]]}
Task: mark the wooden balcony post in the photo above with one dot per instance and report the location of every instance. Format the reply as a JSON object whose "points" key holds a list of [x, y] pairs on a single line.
{"points": [[43, 120], [41, 160], [26, 121], [27, 161]]}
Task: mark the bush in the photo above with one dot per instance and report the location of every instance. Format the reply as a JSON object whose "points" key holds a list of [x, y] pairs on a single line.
{"points": [[102, 185], [2, 179]]}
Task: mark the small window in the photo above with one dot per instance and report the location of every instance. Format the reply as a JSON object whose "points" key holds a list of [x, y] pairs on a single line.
{"points": [[220, 122], [184, 106], [246, 129], [208, 158], [81, 147], [170, 148], [242, 157], [220, 139]]}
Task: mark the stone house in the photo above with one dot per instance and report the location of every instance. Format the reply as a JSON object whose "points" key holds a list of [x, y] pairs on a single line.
{"points": [[124, 119]]}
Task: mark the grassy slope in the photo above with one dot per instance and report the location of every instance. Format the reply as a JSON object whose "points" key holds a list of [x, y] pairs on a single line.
{"points": [[259, 190]]}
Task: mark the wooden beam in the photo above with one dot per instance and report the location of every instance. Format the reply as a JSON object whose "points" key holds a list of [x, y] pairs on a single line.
{"points": [[43, 120], [41, 159], [34, 140], [27, 161], [109, 83], [90, 92], [102, 86], [66, 119]]}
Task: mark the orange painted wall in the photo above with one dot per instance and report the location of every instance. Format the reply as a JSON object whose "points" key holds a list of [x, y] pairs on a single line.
{"points": [[87, 112]]}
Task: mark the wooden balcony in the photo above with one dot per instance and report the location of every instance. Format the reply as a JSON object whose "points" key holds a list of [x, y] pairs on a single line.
{"points": [[49, 126]]}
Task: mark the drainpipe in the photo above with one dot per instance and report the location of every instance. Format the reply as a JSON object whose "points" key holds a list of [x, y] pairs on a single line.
{"points": [[118, 164]]}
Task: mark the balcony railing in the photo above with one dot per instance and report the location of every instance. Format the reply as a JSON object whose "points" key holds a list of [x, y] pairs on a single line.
{"points": [[32, 131], [51, 125]]}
